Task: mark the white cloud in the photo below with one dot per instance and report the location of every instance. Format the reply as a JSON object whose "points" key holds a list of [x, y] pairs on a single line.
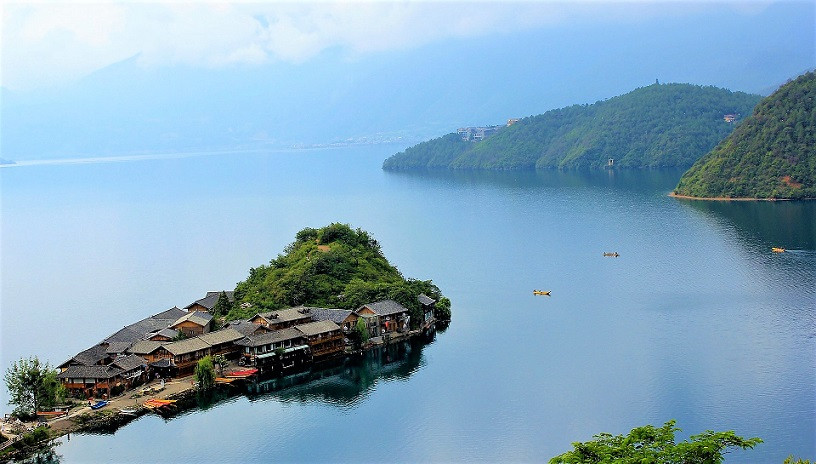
{"points": [[51, 43]]}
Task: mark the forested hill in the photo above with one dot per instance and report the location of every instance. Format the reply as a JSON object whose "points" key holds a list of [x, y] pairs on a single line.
{"points": [[771, 155], [331, 267], [661, 125]]}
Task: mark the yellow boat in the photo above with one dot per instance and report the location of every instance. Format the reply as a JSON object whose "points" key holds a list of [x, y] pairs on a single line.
{"points": [[541, 292], [778, 250]]}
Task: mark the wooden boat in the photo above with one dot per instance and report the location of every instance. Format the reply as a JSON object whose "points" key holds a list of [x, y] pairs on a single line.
{"points": [[155, 403], [613, 254], [99, 404], [541, 292], [242, 374], [778, 250], [129, 412]]}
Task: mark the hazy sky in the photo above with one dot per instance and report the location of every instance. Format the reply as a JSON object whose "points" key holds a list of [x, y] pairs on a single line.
{"points": [[44, 44]]}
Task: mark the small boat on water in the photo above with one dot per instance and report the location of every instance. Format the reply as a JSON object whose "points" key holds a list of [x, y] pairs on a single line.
{"points": [[613, 254], [99, 404], [541, 292], [242, 374], [778, 250]]}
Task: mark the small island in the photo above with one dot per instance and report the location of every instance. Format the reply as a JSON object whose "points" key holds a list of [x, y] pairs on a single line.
{"points": [[657, 126], [771, 156], [331, 295]]}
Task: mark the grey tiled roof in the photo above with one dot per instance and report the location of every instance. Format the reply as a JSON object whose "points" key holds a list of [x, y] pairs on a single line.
{"points": [[189, 345], [245, 327], [326, 314], [315, 328], [90, 372], [196, 317], [221, 336], [89, 357], [137, 331], [130, 362], [211, 299], [286, 315], [164, 362], [386, 307], [168, 333], [270, 337], [118, 347], [425, 299], [145, 346]]}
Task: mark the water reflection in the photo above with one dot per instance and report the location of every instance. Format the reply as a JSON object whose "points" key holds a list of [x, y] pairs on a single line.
{"points": [[787, 224], [650, 180], [347, 383]]}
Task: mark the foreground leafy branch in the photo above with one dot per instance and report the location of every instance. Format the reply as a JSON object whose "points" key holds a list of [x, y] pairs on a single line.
{"points": [[649, 444]]}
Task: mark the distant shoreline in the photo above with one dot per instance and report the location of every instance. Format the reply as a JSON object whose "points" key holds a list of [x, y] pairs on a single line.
{"points": [[687, 197]]}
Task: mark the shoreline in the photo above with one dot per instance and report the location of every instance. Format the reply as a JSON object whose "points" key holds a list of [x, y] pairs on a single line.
{"points": [[687, 197]]}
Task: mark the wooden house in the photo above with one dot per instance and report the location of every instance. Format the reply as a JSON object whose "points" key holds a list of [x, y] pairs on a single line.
{"points": [[325, 338], [163, 335], [223, 342], [276, 350], [345, 318], [282, 319], [193, 323], [207, 303], [187, 353], [101, 381], [428, 304], [248, 328], [389, 317]]}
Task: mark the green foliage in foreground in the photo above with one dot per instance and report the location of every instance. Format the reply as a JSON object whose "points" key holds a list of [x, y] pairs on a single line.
{"points": [[771, 155], [331, 267], [32, 386], [660, 125], [648, 444], [204, 373], [792, 460]]}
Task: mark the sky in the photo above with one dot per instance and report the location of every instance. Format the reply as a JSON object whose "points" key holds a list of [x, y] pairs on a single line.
{"points": [[53, 43], [87, 80]]}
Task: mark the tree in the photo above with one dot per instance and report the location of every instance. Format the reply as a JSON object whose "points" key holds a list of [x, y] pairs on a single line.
{"points": [[648, 444], [204, 373], [362, 330], [221, 361], [32, 386], [222, 306]]}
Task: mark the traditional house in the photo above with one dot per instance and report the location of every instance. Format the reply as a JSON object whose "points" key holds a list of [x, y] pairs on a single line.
{"points": [[223, 342], [282, 319], [194, 323], [93, 356], [248, 328], [134, 371], [428, 305], [88, 381], [207, 303], [187, 353], [325, 338], [150, 350], [278, 348], [163, 335], [389, 315], [345, 318]]}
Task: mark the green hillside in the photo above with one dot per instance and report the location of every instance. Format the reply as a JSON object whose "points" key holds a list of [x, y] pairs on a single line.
{"points": [[332, 267], [771, 155], [661, 125]]}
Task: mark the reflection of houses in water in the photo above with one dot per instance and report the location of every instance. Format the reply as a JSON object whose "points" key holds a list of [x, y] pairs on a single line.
{"points": [[346, 382]]}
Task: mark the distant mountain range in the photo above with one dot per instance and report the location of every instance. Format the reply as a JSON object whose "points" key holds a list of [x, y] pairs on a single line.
{"points": [[661, 125], [403, 95], [771, 155]]}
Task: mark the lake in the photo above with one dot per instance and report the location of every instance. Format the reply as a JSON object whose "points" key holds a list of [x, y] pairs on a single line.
{"points": [[696, 320]]}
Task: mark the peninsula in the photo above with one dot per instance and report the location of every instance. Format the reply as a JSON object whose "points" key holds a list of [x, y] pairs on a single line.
{"points": [[331, 294], [660, 125], [771, 156]]}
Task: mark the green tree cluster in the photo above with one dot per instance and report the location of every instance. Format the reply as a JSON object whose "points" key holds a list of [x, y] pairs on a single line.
{"points": [[33, 386], [332, 267], [649, 444], [204, 373], [660, 125], [771, 155], [222, 305]]}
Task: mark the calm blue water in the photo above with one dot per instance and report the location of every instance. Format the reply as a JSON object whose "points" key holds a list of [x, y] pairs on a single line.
{"points": [[696, 320]]}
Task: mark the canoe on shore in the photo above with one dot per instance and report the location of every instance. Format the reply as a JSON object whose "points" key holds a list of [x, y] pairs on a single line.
{"points": [[99, 404]]}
